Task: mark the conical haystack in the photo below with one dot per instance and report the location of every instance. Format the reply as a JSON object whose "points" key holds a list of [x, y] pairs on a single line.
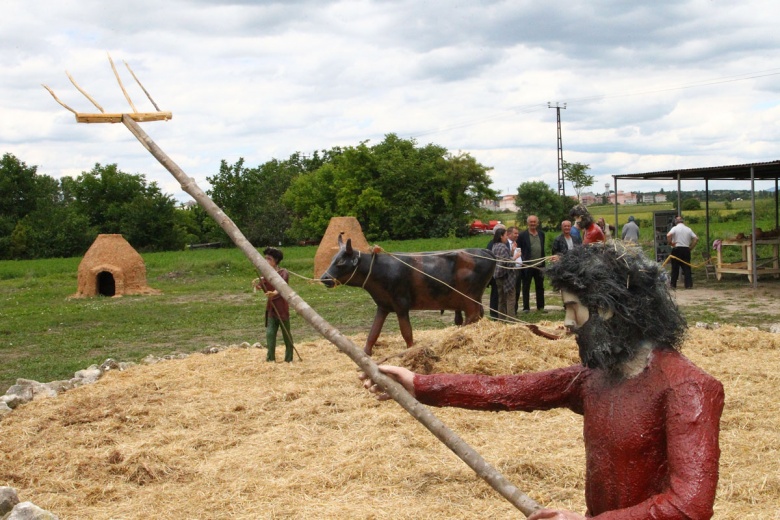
{"points": [[111, 267], [329, 244]]}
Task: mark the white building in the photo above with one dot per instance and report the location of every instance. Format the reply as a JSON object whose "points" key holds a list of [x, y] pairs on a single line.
{"points": [[507, 202]]}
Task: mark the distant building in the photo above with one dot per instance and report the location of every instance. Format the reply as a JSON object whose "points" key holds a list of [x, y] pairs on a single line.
{"points": [[507, 202], [489, 204], [649, 198], [623, 197]]}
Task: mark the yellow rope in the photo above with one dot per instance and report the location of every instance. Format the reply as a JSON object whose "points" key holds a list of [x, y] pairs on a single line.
{"points": [[693, 266]]}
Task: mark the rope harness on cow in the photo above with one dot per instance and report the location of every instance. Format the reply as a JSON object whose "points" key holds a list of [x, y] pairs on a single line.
{"points": [[357, 265]]}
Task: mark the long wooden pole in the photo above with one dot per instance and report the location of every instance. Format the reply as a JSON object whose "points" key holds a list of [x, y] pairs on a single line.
{"points": [[458, 446]]}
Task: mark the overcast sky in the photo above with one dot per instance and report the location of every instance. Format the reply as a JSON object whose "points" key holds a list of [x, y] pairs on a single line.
{"points": [[647, 85]]}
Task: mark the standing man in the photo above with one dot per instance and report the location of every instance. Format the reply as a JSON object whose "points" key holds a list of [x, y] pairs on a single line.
{"points": [[575, 231], [630, 231], [511, 234], [531, 243], [682, 239], [651, 418], [565, 241]]}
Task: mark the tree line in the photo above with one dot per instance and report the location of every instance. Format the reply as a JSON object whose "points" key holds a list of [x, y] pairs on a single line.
{"points": [[42, 217], [396, 189]]}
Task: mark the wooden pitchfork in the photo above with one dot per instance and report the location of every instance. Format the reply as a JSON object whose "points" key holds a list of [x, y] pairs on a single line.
{"points": [[465, 452]]}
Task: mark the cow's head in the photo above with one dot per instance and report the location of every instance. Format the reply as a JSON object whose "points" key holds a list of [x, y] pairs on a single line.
{"points": [[343, 265]]}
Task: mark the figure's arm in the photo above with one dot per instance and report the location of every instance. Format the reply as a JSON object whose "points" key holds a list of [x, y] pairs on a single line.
{"points": [[692, 411], [534, 391], [558, 388]]}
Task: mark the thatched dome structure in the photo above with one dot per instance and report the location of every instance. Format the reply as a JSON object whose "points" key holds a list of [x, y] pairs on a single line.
{"points": [[111, 267], [329, 243]]}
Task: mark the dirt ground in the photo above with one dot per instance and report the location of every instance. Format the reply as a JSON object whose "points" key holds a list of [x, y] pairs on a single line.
{"points": [[734, 304]]}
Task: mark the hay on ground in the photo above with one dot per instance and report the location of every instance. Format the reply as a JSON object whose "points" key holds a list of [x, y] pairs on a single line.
{"points": [[230, 436]]}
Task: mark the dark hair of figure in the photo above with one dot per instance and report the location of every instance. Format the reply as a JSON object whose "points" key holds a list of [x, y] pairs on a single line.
{"points": [[274, 253], [619, 277]]}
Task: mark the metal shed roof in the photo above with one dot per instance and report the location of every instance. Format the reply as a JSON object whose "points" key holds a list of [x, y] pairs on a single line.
{"points": [[761, 171]]}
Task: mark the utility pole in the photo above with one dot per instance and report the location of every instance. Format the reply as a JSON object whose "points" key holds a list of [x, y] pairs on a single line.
{"points": [[557, 107]]}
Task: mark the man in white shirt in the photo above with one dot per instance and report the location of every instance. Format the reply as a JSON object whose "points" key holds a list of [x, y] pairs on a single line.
{"points": [[683, 240]]}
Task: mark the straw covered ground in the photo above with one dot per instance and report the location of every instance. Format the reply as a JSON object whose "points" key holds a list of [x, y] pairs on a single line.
{"points": [[228, 435]]}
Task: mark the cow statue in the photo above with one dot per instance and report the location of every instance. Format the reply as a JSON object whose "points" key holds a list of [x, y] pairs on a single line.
{"points": [[447, 280]]}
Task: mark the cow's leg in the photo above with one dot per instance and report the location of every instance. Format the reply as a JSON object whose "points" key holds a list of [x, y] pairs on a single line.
{"points": [[406, 327], [458, 317], [473, 312], [376, 328]]}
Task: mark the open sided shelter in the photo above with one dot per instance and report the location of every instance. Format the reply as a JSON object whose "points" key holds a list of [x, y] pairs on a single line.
{"points": [[329, 243], [111, 267], [750, 172]]}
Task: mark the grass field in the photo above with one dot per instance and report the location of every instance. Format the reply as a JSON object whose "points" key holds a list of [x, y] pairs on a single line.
{"points": [[206, 300]]}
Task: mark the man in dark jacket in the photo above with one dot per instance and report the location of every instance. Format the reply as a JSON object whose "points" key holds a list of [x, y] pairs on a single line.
{"points": [[565, 241], [531, 243]]}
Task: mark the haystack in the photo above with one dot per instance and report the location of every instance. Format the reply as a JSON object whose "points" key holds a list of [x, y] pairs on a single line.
{"points": [[111, 267], [329, 243]]}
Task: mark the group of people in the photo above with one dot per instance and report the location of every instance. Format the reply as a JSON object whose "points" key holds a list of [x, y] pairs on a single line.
{"points": [[521, 256], [521, 262], [520, 259]]}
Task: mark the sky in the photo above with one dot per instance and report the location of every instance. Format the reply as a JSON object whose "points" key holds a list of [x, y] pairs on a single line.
{"points": [[646, 85]]}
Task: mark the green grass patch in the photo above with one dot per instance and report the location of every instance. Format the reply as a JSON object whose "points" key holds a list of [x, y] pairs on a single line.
{"points": [[206, 299]]}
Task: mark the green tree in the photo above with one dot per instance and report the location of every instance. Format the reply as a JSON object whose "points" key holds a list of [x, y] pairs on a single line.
{"points": [[118, 202], [395, 189], [538, 198], [311, 199], [577, 174], [18, 197], [691, 204], [688, 203], [36, 220], [252, 197]]}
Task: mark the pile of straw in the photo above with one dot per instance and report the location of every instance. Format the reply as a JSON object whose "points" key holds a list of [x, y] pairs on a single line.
{"points": [[230, 436]]}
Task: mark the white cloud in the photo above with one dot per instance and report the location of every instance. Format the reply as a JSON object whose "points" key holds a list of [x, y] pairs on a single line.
{"points": [[647, 86]]}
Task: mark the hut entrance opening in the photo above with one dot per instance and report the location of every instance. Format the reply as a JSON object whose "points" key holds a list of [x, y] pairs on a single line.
{"points": [[105, 284]]}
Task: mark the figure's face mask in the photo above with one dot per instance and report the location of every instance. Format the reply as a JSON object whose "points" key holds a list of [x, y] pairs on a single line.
{"points": [[577, 314], [601, 342]]}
